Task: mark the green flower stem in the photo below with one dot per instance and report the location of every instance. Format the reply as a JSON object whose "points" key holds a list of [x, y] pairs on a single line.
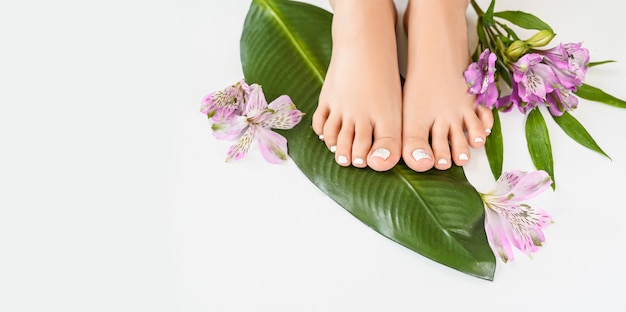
{"points": [[477, 8]]}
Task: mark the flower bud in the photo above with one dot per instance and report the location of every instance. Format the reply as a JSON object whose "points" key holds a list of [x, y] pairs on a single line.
{"points": [[541, 38], [517, 49]]}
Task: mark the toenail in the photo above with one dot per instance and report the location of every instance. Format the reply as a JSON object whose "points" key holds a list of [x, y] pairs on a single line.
{"points": [[333, 148], [321, 137], [442, 161], [488, 130], [463, 156], [420, 154], [381, 153], [342, 160], [479, 140], [358, 161]]}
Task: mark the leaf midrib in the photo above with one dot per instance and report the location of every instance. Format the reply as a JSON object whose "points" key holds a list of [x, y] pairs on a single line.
{"points": [[427, 207], [305, 53]]}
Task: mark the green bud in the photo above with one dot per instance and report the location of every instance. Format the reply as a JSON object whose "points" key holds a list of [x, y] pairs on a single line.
{"points": [[517, 49], [541, 38]]}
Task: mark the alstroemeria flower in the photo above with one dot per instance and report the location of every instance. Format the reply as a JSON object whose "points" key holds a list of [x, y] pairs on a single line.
{"points": [[256, 120], [480, 78], [511, 222], [560, 100], [507, 102], [571, 58], [223, 104], [534, 79]]}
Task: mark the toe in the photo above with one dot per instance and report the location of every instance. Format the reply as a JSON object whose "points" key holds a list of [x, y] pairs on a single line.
{"points": [[319, 120], [331, 132], [343, 154], [486, 117], [476, 131], [361, 145], [386, 148], [458, 145], [441, 146], [416, 150]]}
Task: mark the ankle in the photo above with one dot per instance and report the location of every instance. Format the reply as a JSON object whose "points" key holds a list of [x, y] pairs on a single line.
{"points": [[359, 21]]}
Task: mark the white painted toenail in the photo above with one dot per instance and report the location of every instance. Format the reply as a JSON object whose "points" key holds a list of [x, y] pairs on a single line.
{"points": [[358, 161], [420, 154], [442, 162], [463, 156], [342, 160], [321, 137], [488, 130], [479, 140], [333, 149], [381, 153]]}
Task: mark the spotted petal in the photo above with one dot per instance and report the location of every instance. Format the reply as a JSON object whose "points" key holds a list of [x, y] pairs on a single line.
{"points": [[529, 185], [242, 146], [256, 103], [284, 114], [509, 222]]}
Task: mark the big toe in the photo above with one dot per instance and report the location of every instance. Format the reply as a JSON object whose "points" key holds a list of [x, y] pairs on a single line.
{"points": [[385, 151], [417, 154]]}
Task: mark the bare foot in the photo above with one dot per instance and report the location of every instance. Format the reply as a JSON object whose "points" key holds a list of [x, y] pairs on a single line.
{"points": [[437, 105], [360, 106]]}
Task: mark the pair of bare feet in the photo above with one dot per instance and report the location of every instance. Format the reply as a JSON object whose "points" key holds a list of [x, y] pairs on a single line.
{"points": [[364, 114]]}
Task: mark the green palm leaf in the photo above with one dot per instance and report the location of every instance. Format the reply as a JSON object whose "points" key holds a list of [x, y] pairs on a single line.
{"points": [[285, 47]]}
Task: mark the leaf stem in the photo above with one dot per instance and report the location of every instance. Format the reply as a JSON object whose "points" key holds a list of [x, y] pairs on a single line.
{"points": [[477, 8]]}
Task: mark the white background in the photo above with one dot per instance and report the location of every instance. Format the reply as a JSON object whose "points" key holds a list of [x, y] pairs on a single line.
{"points": [[114, 195]]}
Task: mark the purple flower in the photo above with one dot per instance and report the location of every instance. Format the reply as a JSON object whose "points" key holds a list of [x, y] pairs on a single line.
{"points": [[571, 59], [534, 79], [480, 78], [256, 119], [507, 102], [510, 222], [223, 104], [560, 100]]}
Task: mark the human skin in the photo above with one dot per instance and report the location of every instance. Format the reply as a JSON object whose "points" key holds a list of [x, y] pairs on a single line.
{"points": [[364, 115]]}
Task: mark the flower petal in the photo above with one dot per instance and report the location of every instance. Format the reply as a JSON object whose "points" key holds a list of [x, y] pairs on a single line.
{"points": [[230, 128], [256, 102], [527, 224], [490, 97], [222, 104], [242, 146], [273, 146], [529, 185], [497, 235], [284, 114]]}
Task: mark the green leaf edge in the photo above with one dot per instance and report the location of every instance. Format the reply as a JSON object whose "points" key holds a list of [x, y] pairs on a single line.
{"points": [[494, 146], [575, 130], [539, 145], [593, 64], [524, 20], [592, 93]]}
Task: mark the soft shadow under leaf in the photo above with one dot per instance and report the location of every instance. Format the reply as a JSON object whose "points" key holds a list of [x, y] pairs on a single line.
{"points": [[285, 47]]}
